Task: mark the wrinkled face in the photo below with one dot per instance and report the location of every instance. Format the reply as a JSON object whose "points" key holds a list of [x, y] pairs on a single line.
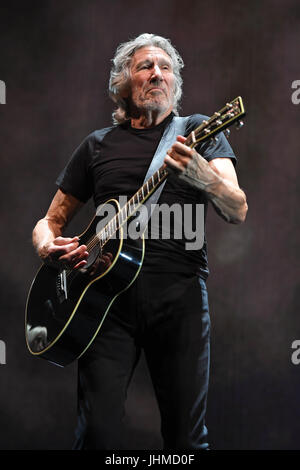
{"points": [[152, 80]]}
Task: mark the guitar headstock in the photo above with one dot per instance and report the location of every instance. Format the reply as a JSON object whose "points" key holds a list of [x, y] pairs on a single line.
{"points": [[220, 121]]}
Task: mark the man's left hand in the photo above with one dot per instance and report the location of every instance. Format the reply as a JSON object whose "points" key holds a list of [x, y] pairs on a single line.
{"points": [[189, 166]]}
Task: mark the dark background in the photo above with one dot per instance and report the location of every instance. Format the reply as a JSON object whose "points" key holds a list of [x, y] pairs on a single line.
{"points": [[55, 61]]}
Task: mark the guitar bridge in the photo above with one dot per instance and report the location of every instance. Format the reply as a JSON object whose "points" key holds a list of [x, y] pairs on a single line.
{"points": [[61, 286]]}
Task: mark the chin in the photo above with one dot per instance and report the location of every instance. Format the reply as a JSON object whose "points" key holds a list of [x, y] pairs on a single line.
{"points": [[156, 106]]}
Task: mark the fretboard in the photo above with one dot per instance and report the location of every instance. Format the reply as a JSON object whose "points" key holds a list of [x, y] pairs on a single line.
{"points": [[131, 207]]}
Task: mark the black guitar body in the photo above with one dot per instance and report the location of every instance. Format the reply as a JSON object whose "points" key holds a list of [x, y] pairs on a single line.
{"points": [[66, 308]]}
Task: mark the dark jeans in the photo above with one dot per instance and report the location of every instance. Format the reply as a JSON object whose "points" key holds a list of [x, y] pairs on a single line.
{"points": [[167, 315]]}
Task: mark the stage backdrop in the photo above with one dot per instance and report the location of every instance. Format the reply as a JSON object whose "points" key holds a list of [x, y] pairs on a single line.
{"points": [[54, 68]]}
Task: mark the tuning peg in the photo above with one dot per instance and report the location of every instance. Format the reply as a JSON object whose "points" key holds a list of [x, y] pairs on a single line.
{"points": [[227, 132], [239, 125]]}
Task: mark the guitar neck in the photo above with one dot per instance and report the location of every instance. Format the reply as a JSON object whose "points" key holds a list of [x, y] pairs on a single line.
{"points": [[148, 188], [133, 205]]}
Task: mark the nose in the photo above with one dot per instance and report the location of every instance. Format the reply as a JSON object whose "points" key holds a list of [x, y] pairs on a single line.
{"points": [[156, 73]]}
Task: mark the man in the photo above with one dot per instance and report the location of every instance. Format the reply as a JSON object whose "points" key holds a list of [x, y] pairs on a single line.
{"points": [[165, 311]]}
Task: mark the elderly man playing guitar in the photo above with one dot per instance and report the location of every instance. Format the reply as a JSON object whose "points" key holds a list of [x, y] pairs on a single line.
{"points": [[164, 311]]}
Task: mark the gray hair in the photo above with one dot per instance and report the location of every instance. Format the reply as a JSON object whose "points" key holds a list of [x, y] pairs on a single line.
{"points": [[120, 71]]}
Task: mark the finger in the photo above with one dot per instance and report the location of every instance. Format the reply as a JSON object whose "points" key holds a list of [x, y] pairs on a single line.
{"points": [[173, 164], [183, 160], [181, 148], [181, 139], [65, 240], [81, 264], [79, 261], [106, 258], [61, 250], [78, 253]]}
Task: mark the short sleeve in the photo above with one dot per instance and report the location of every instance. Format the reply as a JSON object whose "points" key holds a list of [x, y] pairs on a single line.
{"points": [[75, 178], [220, 148]]}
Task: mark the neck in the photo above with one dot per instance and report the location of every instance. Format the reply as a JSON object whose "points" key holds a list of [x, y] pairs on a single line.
{"points": [[148, 118]]}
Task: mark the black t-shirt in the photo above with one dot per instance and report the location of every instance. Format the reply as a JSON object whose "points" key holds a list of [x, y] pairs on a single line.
{"points": [[113, 162]]}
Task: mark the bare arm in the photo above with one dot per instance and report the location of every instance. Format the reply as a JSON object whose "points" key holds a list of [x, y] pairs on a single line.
{"points": [[47, 237], [217, 179]]}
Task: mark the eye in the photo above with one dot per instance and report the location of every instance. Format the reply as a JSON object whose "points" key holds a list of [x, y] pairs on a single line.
{"points": [[144, 66]]}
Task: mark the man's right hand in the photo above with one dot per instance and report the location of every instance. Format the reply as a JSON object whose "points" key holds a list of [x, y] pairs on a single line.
{"points": [[64, 251]]}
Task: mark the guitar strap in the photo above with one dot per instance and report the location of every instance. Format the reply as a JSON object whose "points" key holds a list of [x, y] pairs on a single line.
{"points": [[176, 127]]}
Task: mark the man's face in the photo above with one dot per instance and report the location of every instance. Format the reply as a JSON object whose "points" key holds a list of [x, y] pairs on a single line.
{"points": [[152, 80]]}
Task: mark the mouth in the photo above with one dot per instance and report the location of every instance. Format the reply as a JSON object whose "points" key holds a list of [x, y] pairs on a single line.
{"points": [[155, 88]]}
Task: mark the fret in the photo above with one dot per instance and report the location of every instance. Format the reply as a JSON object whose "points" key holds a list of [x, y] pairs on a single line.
{"points": [[113, 226], [101, 237], [114, 223], [118, 222], [117, 225], [121, 215], [100, 242], [110, 229], [130, 207], [162, 172], [141, 197]]}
